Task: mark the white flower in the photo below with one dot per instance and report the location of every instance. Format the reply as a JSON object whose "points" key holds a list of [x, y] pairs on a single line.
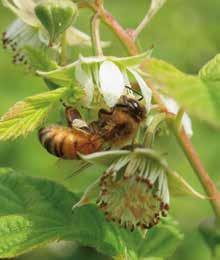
{"points": [[24, 10], [173, 107], [28, 31], [111, 82], [19, 35], [112, 77], [86, 82]]}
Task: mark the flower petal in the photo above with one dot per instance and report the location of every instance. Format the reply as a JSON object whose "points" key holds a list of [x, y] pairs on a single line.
{"points": [[24, 10], [20, 35], [86, 81], [145, 90], [111, 82], [173, 107], [77, 37], [187, 125]]}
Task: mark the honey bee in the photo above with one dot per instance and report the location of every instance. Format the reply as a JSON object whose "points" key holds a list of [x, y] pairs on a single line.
{"points": [[67, 142], [115, 127], [119, 125]]}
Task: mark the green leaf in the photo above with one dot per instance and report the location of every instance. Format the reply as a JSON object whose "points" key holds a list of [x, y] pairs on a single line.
{"points": [[210, 231], [35, 212], [211, 71], [190, 91], [158, 243], [26, 115], [210, 74], [5, 170]]}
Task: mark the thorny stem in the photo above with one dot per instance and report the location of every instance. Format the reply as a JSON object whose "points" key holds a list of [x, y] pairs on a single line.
{"points": [[96, 35], [181, 136]]}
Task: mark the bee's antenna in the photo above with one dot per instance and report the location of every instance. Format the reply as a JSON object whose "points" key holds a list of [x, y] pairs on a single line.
{"points": [[136, 92]]}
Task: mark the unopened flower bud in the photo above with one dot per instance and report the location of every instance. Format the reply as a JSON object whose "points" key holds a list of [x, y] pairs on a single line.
{"points": [[56, 16]]}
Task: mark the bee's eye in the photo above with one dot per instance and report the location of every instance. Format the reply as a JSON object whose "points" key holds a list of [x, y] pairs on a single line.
{"points": [[134, 105]]}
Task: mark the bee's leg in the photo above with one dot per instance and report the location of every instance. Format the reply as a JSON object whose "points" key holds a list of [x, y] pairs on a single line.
{"points": [[71, 113]]}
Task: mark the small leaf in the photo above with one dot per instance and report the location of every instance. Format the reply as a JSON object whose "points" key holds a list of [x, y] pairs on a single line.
{"points": [[210, 231], [145, 90], [179, 187], [90, 193], [210, 74], [35, 212], [26, 115]]}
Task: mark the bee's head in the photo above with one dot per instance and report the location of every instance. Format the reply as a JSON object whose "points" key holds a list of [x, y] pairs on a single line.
{"points": [[132, 107]]}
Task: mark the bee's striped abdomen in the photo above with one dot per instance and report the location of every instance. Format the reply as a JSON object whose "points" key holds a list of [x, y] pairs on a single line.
{"points": [[66, 142]]}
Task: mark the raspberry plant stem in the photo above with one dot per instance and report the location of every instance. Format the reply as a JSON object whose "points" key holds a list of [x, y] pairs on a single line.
{"points": [[96, 35]]}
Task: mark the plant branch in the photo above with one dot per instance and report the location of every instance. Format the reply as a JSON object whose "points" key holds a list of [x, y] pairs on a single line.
{"points": [[96, 35], [154, 8], [99, 2], [142, 25], [109, 20], [181, 136]]}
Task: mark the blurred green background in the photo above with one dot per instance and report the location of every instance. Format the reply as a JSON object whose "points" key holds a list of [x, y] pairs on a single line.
{"points": [[184, 33]]}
